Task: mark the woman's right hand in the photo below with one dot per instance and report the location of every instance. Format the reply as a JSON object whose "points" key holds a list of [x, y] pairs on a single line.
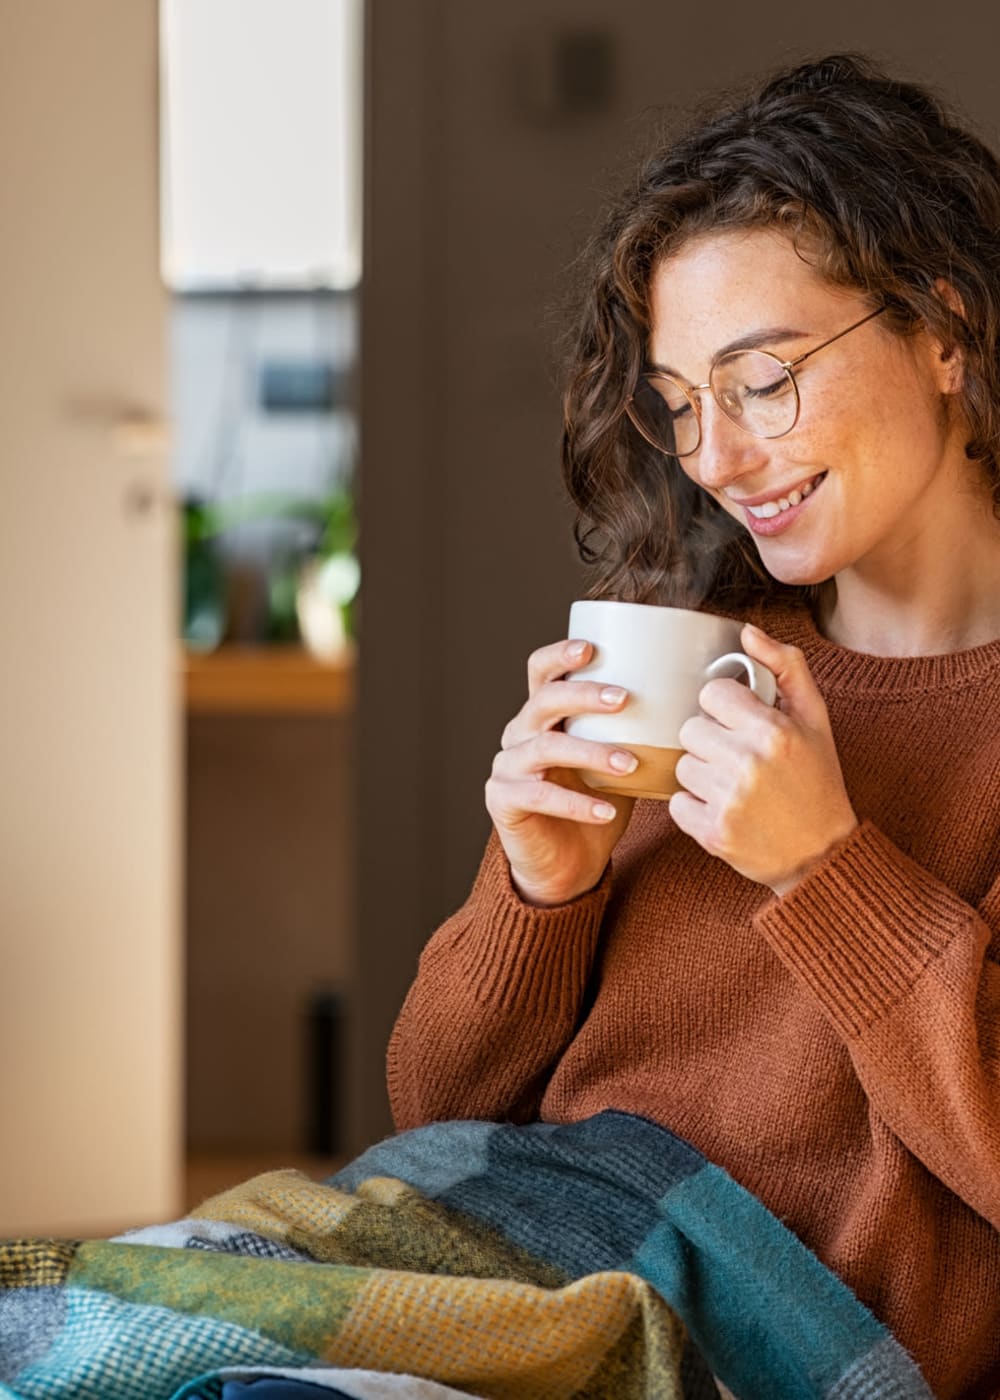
{"points": [[557, 832]]}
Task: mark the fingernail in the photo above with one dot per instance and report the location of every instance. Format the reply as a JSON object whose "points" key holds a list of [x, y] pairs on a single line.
{"points": [[576, 649], [604, 811], [612, 695], [623, 762]]}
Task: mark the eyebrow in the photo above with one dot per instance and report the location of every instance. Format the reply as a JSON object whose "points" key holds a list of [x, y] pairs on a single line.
{"points": [[756, 340]]}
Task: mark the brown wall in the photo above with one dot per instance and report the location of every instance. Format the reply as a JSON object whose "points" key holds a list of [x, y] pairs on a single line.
{"points": [[474, 207]]}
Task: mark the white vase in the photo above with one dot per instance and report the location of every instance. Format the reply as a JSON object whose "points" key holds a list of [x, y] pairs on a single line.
{"points": [[325, 585]]}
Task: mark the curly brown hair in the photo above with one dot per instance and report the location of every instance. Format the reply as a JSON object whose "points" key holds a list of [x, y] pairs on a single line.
{"points": [[881, 191]]}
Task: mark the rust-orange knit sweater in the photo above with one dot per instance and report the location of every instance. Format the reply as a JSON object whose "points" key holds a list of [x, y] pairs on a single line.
{"points": [[837, 1051]]}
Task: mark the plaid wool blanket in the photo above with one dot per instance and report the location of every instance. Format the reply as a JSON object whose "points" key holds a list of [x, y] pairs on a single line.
{"points": [[602, 1259]]}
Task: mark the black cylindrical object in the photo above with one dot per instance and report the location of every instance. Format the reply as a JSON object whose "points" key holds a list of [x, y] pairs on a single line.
{"points": [[324, 1060]]}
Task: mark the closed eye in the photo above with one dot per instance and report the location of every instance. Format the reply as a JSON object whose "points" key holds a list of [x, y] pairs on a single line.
{"points": [[768, 391]]}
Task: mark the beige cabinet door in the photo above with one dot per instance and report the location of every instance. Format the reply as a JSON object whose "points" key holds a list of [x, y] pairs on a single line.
{"points": [[89, 899]]}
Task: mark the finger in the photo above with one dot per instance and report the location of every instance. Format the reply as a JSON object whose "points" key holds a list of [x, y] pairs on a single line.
{"points": [[511, 802], [691, 815], [706, 738], [694, 776], [556, 701], [799, 693], [549, 662], [556, 749], [732, 704]]}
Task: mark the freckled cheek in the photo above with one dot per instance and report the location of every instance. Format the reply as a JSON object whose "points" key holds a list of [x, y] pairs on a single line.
{"points": [[885, 401], [897, 432], [832, 422]]}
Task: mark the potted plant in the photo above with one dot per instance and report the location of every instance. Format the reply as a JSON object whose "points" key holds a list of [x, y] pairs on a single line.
{"points": [[310, 592]]}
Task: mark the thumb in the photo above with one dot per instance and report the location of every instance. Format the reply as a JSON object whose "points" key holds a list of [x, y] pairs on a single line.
{"points": [[797, 691]]}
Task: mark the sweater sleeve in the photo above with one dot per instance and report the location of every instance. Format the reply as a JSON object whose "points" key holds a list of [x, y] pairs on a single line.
{"points": [[900, 966], [496, 1000]]}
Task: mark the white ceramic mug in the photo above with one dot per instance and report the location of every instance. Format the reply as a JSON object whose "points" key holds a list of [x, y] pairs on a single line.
{"points": [[662, 657]]}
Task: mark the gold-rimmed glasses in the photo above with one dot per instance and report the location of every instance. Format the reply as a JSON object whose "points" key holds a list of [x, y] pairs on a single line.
{"points": [[754, 388]]}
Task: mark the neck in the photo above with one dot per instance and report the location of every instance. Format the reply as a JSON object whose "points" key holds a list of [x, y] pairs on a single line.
{"points": [[933, 601], [932, 617]]}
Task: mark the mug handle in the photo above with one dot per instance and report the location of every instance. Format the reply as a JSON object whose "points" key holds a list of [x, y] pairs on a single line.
{"points": [[762, 681]]}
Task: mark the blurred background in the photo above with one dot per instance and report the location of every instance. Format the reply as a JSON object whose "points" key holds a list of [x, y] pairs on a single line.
{"points": [[281, 289]]}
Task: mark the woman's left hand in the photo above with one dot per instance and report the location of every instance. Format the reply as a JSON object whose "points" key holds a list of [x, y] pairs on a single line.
{"points": [[763, 787]]}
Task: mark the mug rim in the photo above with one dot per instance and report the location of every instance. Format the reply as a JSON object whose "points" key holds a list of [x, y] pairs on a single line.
{"points": [[654, 608]]}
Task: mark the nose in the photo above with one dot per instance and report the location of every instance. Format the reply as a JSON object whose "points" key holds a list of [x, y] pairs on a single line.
{"points": [[726, 451]]}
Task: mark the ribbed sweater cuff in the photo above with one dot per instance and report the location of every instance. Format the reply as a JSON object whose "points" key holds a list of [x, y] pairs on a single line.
{"points": [[861, 927], [515, 954]]}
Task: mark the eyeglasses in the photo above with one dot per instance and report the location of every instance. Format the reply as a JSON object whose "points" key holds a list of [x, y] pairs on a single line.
{"points": [[754, 389]]}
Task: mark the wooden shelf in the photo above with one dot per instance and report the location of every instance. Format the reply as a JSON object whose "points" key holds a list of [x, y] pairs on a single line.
{"points": [[267, 680]]}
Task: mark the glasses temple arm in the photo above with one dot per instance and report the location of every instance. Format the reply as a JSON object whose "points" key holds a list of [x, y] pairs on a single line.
{"points": [[790, 364]]}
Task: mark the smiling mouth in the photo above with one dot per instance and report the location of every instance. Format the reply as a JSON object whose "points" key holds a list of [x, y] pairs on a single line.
{"points": [[770, 509]]}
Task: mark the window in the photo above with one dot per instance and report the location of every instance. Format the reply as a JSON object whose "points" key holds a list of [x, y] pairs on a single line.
{"points": [[261, 129]]}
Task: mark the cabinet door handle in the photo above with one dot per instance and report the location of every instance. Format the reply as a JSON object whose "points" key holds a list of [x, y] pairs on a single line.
{"points": [[137, 437]]}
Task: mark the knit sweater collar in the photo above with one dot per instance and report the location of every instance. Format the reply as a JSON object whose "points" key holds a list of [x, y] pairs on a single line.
{"points": [[840, 670]]}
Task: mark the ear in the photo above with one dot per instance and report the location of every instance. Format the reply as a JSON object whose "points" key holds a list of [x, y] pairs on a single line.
{"points": [[949, 356]]}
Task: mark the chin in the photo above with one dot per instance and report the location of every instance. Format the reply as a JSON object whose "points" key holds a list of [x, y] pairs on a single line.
{"points": [[796, 573]]}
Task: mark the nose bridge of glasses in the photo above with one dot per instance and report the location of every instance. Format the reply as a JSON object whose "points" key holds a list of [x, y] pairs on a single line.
{"points": [[724, 394], [727, 447], [716, 429], [719, 417]]}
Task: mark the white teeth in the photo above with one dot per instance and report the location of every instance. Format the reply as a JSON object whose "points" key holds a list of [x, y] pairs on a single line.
{"points": [[772, 508]]}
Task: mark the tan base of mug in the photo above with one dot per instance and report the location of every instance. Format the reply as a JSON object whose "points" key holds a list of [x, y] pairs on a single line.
{"points": [[653, 778]]}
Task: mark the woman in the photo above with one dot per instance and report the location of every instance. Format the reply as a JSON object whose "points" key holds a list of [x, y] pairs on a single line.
{"points": [[794, 964]]}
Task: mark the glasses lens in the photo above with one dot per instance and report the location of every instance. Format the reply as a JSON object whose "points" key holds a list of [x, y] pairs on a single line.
{"points": [[664, 414], [756, 391]]}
